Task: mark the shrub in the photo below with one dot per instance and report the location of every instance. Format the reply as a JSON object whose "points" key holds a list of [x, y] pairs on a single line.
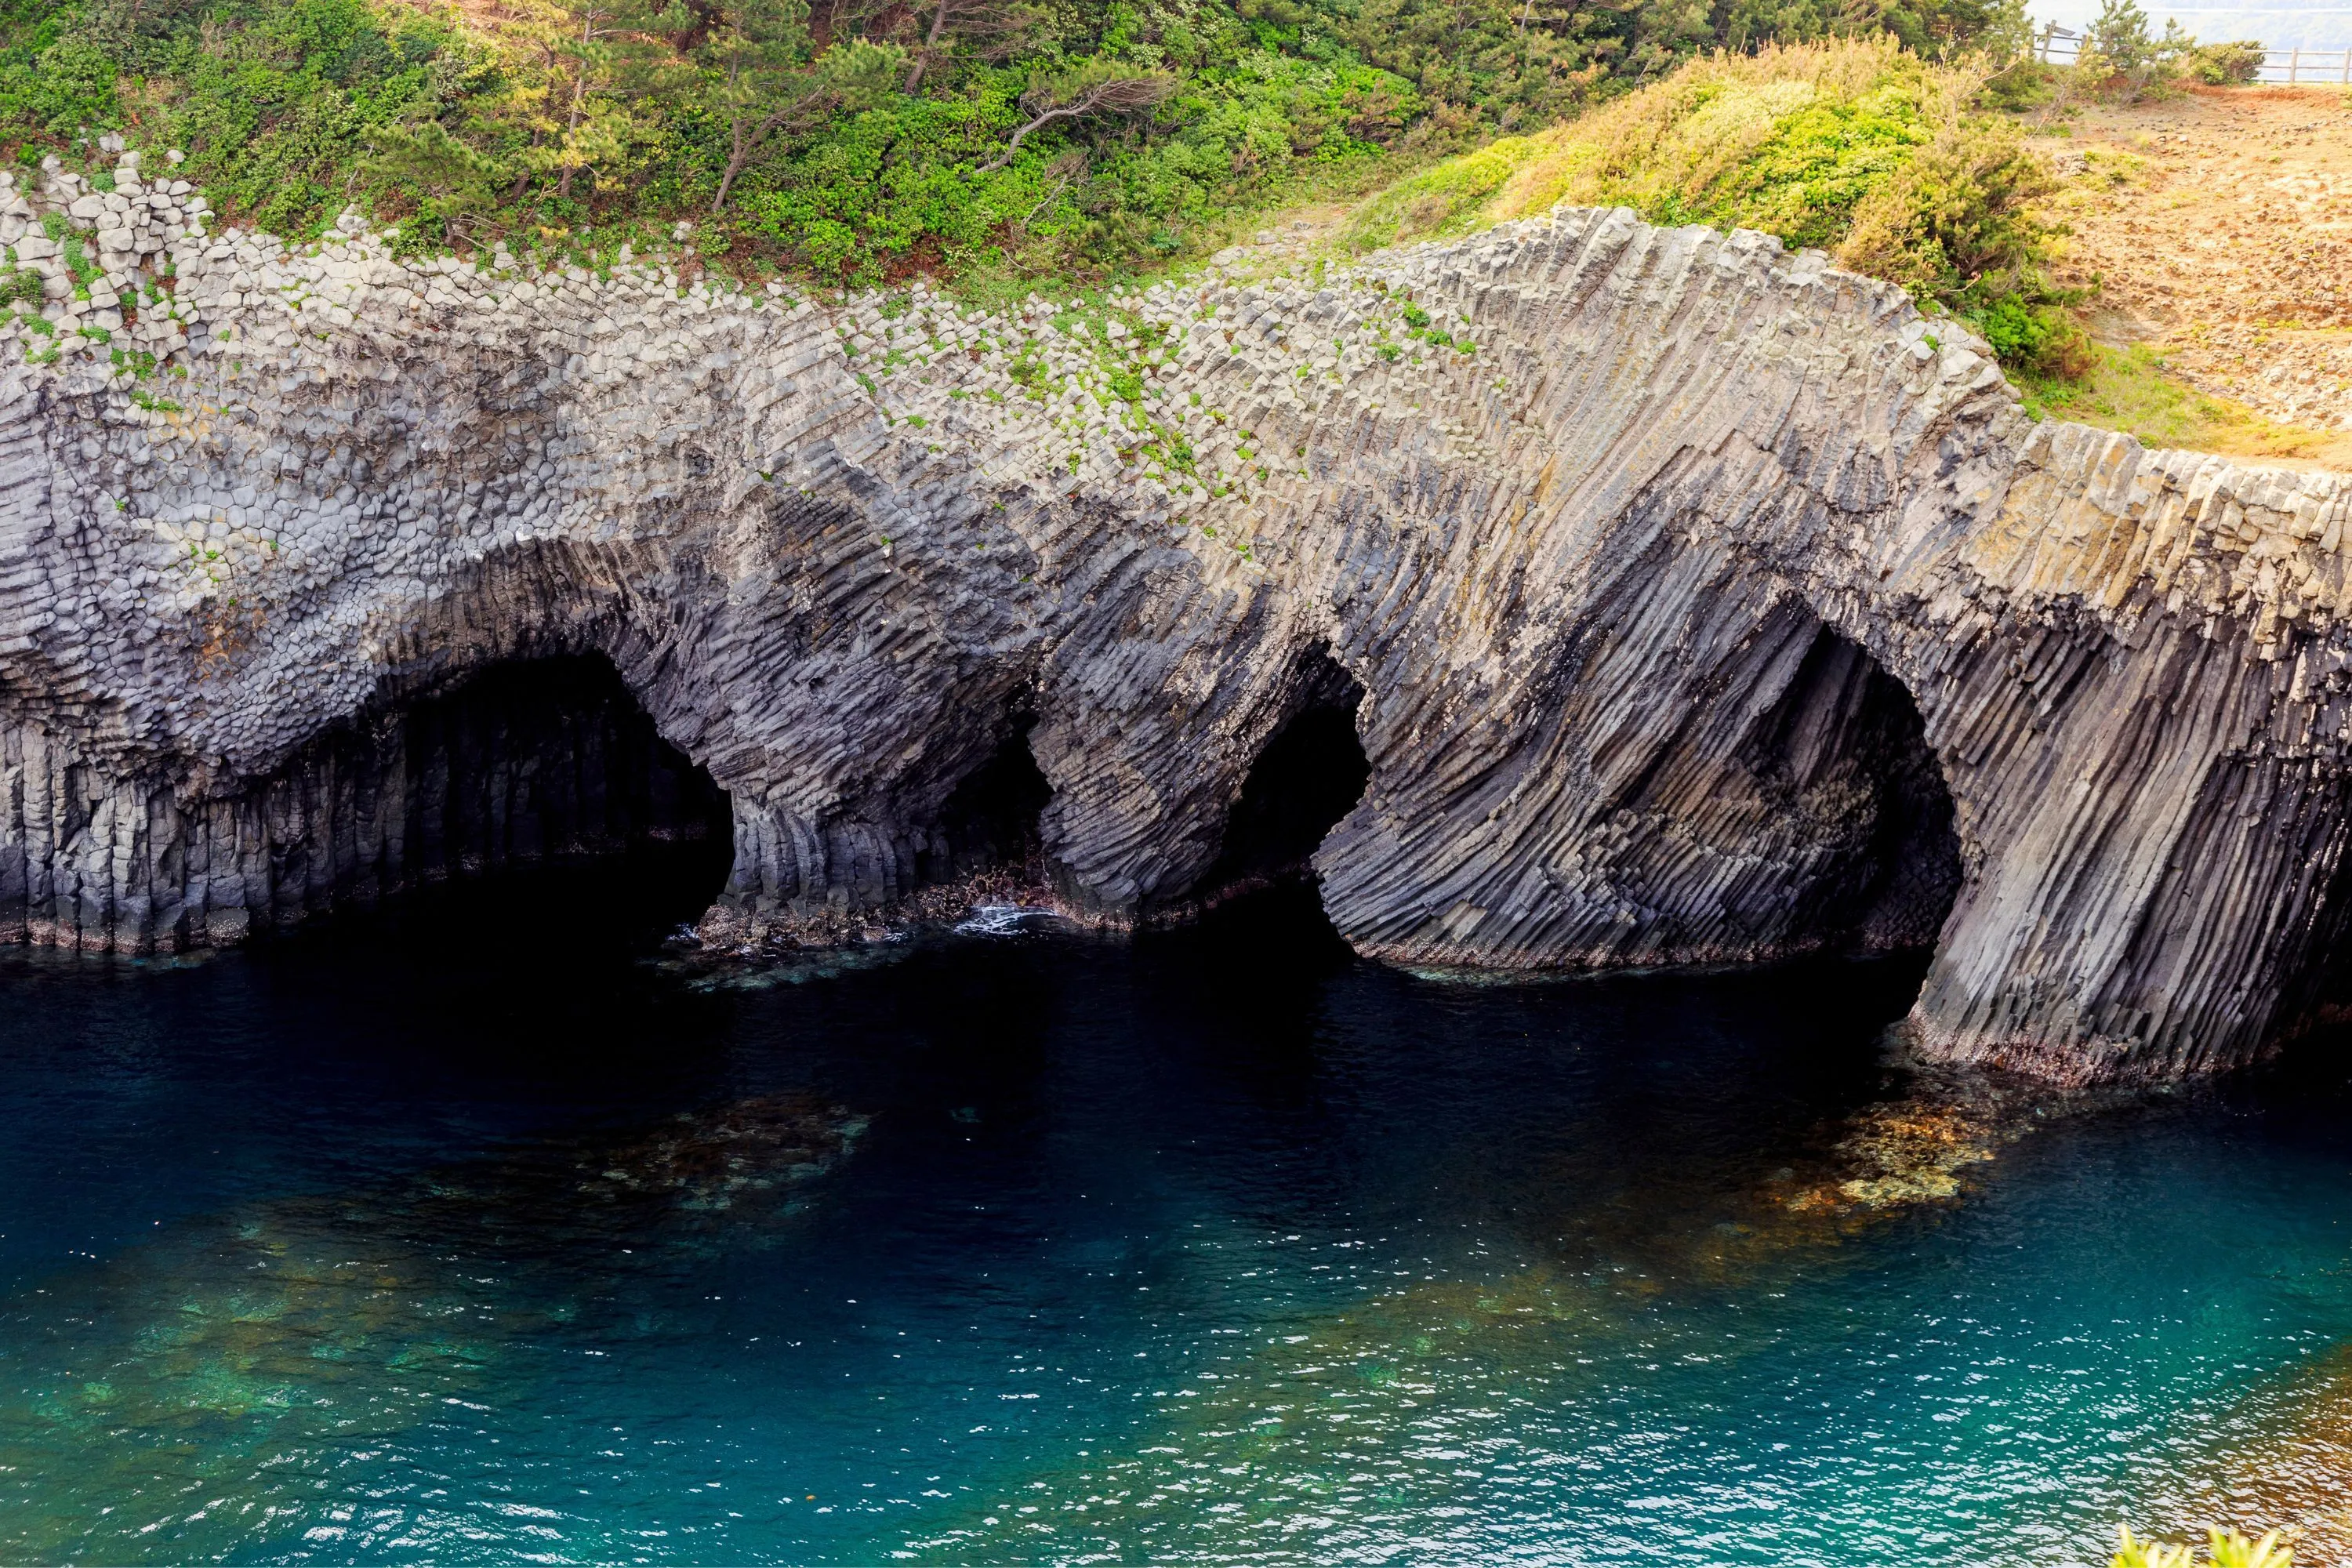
{"points": [[861, 142], [1960, 223], [1787, 140], [62, 86], [2042, 339], [2023, 84], [2121, 57], [2225, 1549], [2218, 64], [1854, 144], [2119, 36]]}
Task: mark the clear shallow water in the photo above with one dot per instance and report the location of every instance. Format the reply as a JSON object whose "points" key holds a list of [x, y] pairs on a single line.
{"points": [[469, 1235]]}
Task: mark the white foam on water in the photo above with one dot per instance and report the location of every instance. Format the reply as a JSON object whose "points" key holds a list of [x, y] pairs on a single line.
{"points": [[998, 919]]}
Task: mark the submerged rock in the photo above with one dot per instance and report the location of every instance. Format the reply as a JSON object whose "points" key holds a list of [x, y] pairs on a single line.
{"points": [[1693, 601]]}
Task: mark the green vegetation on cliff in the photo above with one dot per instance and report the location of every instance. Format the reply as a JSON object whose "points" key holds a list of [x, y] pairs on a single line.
{"points": [[853, 140], [1856, 146]]}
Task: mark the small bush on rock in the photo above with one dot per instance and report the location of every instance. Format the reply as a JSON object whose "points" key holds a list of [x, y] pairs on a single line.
{"points": [[1960, 223]]}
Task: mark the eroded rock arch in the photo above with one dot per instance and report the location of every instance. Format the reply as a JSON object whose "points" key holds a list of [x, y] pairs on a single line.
{"points": [[1629, 589]]}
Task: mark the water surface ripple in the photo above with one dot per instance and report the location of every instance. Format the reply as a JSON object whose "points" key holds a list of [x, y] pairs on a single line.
{"points": [[461, 1234]]}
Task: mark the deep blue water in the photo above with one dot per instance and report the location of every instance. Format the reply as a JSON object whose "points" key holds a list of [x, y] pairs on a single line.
{"points": [[472, 1232]]}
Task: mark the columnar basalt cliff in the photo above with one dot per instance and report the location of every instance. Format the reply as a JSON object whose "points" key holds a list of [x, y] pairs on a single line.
{"points": [[1697, 601]]}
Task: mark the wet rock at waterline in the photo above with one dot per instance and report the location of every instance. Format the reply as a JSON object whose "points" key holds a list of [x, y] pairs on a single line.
{"points": [[1692, 602]]}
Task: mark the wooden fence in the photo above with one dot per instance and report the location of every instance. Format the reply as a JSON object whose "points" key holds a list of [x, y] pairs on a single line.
{"points": [[2292, 68]]}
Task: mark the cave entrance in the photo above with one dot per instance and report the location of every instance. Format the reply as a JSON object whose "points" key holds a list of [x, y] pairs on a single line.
{"points": [[1843, 758], [991, 824], [549, 757], [2306, 1042], [1310, 773], [527, 763]]}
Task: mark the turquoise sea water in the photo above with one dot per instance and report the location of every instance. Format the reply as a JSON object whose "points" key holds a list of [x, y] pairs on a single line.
{"points": [[474, 1234]]}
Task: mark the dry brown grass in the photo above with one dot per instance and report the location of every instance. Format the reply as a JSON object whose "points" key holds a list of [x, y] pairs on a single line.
{"points": [[2217, 225]]}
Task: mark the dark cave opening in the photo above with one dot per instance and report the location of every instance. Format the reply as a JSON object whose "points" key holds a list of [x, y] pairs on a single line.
{"points": [[2306, 1044], [1310, 773], [525, 763], [992, 819], [1846, 751], [549, 756]]}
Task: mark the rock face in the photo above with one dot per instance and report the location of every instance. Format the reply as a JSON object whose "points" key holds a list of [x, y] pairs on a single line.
{"points": [[1694, 602]]}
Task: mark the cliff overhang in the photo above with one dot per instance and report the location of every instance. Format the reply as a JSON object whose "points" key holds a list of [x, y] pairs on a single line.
{"points": [[1697, 602]]}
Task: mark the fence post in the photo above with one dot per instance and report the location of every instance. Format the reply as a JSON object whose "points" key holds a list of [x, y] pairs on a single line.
{"points": [[2347, 66], [2294, 64]]}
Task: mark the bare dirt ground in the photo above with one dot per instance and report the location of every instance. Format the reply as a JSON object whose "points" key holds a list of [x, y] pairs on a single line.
{"points": [[2219, 224]]}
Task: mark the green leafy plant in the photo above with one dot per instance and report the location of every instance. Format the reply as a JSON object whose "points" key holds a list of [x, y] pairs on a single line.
{"points": [[2039, 338], [996, 139], [2119, 36], [2218, 65], [1960, 223], [454, 186], [2224, 1549], [2123, 59]]}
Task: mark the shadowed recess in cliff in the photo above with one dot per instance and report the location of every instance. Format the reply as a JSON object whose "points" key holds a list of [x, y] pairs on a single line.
{"points": [[2314, 1031], [992, 819], [1795, 809], [523, 762], [1847, 719], [1739, 801], [1310, 774]]}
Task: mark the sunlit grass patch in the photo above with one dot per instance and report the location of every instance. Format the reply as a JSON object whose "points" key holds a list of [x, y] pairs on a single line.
{"points": [[2130, 389], [1444, 198], [1852, 145], [1787, 140]]}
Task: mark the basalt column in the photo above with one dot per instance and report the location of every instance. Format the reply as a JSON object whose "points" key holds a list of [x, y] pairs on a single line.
{"points": [[521, 762], [1689, 600], [1775, 797]]}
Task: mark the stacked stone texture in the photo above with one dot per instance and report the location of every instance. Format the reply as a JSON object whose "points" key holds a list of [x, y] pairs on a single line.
{"points": [[1642, 545]]}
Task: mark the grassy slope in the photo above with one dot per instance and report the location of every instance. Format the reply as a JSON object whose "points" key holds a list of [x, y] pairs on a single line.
{"points": [[2131, 389], [1791, 143], [1788, 141], [475, 122]]}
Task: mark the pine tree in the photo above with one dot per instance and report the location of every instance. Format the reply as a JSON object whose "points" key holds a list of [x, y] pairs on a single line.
{"points": [[759, 77], [585, 67]]}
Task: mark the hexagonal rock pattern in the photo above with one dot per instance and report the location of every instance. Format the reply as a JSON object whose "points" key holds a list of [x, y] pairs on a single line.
{"points": [[1707, 603]]}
